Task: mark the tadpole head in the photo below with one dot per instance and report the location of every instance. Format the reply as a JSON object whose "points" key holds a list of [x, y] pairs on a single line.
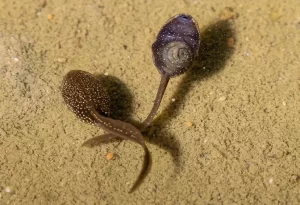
{"points": [[81, 90], [176, 45]]}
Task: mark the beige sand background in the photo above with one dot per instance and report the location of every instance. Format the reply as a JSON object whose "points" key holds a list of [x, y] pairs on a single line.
{"points": [[242, 97]]}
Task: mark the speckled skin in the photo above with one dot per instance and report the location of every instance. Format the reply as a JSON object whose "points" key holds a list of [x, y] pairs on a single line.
{"points": [[80, 91]]}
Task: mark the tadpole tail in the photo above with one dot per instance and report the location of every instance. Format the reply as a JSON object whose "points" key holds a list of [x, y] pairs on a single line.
{"points": [[160, 93], [144, 171], [125, 131]]}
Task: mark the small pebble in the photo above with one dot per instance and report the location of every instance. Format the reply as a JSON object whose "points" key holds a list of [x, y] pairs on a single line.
{"points": [[189, 124], [248, 53], [50, 16], [284, 103], [8, 189], [271, 181], [222, 98], [106, 73], [15, 59], [173, 99], [61, 60], [109, 156]]}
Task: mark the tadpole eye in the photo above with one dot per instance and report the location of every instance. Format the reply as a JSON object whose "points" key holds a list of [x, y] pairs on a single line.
{"points": [[185, 17]]}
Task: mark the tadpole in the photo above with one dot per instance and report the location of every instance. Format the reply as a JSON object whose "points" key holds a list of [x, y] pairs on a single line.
{"points": [[86, 97], [174, 51]]}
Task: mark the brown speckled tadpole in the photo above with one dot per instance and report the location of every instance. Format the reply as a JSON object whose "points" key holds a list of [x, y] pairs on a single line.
{"points": [[87, 98], [174, 51]]}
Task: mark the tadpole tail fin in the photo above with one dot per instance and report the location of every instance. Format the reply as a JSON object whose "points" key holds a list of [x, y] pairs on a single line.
{"points": [[144, 171]]}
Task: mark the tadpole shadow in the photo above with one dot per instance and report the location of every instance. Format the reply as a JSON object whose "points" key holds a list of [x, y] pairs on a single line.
{"points": [[216, 47], [121, 98]]}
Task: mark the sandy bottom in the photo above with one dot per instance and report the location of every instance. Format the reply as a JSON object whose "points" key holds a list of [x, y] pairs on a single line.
{"points": [[227, 132]]}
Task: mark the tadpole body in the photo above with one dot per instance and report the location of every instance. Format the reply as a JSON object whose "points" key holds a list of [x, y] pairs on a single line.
{"points": [[87, 98], [174, 51]]}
